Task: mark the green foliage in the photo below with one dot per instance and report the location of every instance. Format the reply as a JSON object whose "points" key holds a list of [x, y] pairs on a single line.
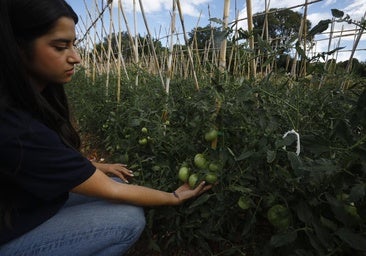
{"points": [[283, 24], [321, 191]]}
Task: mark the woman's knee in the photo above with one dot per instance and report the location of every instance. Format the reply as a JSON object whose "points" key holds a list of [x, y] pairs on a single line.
{"points": [[136, 219]]}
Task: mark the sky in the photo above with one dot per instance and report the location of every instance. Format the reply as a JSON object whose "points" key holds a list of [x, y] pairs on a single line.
{"points": [[198, 12]]}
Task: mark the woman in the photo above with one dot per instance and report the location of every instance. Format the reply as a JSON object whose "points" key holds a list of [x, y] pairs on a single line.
{"points": [[54, 201]]}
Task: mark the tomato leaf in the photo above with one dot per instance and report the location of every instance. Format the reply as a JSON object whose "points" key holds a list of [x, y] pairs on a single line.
{"points": [[200, 200], [357, 192], [356, 241], [271, 156], [283, 238], [303, 212], [337, 13]]}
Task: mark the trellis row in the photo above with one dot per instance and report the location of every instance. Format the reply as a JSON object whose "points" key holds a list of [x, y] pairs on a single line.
{"points": [[176, 61]]}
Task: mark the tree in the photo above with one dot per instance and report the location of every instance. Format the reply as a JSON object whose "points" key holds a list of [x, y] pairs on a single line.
{"points": [[203, 35], [283, 24], [126, 47]]}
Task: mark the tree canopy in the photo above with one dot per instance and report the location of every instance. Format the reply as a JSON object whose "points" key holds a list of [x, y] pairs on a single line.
{"points": [[282, 24]]}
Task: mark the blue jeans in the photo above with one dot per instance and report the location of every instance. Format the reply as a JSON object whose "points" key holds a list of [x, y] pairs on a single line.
{"points": [[84, 226]]}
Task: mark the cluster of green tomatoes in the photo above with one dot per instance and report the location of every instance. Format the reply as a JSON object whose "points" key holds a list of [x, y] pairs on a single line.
{"points": [[144, 140], [203, 168]]}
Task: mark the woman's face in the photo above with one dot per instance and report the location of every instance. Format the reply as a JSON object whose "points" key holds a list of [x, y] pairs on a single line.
{"points": [[53, 55]]}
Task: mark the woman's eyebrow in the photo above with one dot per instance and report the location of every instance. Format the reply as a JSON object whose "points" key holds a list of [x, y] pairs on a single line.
{"points": [[64, 40]]}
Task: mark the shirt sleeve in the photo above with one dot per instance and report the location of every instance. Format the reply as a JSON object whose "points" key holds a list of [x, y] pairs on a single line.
{"points": [[42, 164]]}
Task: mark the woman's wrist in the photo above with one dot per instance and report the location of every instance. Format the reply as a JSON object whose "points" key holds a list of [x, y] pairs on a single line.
{"points": [[175, 198]]}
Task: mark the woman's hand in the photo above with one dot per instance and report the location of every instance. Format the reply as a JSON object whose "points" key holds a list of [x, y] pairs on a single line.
{"points": [[119, 170], [184, 192]]}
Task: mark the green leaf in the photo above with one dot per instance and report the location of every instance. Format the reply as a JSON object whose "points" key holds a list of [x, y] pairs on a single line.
{"points": [[300, 51], [241, 189], [315, 243], [319, 28], [335, 50], [217, 20], [337, 13], [295, 160], [283, 239], [357, 192], [356, 241], [200, 200], [303, 212], [322, 234], [245, 155], [271, 156], [328, 223]]}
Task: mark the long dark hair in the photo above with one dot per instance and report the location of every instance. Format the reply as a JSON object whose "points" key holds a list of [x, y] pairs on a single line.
{"points": [[21, 22]]}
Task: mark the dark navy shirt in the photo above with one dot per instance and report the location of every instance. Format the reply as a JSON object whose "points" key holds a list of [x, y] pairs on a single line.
{"points": [[37, 170]]}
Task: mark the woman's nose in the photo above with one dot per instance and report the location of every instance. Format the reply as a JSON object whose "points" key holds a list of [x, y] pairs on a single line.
{"points": [[74, 57]]}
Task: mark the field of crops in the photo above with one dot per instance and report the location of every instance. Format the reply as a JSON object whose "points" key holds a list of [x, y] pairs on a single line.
{"points": [[280, 130], [290, 160]]}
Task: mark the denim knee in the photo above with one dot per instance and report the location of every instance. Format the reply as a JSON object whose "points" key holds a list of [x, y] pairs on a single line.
{"points": [[99, 228]]}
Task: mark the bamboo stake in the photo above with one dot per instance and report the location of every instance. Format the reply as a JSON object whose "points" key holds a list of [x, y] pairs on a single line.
{"points": [[188, 47], [294, 63], [130, 37], [119, 55], [211, 43], [136, 41], [171, 45], [234, 46], [266, 32], [304, 62], [198, 66], [222, 60], [251, 39], [355, 44], [109, 49], [96, 53], [152, 44]]}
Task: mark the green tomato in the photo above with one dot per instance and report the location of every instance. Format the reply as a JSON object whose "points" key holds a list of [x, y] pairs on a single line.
{"points": [[352, 210], [143, 141], [183, 174], [279, 216], [211, 135], [156, 168], [192, 180], [211, 178], [144, 130], [244, 202], [200, 161], [214, 167]]}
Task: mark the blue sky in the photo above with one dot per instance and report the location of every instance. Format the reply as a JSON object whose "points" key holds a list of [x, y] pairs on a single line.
{"points": [[198, 12]]}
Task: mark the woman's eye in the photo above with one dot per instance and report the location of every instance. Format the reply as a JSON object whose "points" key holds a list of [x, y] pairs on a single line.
{"points": [[61, 48]]}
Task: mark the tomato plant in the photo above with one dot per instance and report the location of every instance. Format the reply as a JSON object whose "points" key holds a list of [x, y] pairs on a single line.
{"points": [[320, 191]]}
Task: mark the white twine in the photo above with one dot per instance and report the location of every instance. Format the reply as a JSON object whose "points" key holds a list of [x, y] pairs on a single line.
{"points": [[298, 140]]}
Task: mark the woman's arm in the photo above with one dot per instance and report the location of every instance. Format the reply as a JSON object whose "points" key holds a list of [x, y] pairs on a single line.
{"points": [[119, 170], [100, 185]]}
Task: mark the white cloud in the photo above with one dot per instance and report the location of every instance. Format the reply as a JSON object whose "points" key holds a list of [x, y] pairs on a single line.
{"points": [[189, 7], [330, 2], [356, 9]]}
